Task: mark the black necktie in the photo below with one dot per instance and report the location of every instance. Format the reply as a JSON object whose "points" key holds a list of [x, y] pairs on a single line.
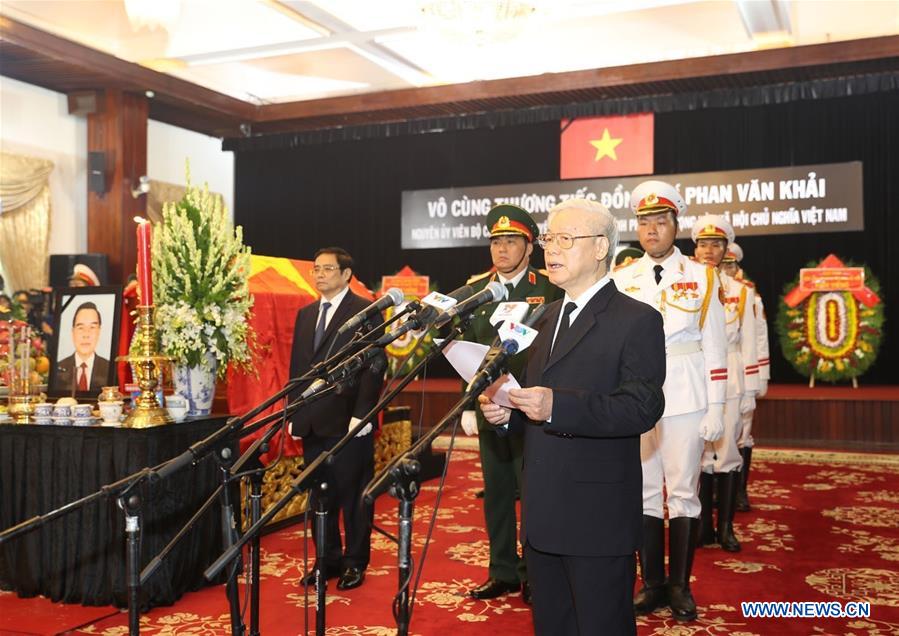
{"points": [[566, 318], [658, 270], [320, 327], [509, 289]]}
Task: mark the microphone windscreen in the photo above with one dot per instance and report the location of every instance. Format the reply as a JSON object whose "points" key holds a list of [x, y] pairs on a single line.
{"points": [[396, 295]]}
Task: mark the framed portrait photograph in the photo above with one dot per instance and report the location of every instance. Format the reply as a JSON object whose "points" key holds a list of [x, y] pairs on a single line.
{"points": [[85, 340]]}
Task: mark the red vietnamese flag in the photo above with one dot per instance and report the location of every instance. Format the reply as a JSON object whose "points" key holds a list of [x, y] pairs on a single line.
{"points": [[606, 146]]}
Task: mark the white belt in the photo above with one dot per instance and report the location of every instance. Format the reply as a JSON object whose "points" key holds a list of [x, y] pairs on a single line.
{"points": [[683, 348], [734, 348]]}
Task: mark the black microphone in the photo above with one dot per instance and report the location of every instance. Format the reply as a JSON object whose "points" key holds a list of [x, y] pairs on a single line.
{"points": [[494, 292], [393, 297], [422, 318], [344, 370], [495, 360]]}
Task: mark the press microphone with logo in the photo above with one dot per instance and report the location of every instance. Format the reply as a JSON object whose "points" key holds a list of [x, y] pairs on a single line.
{"points": [[494, 292], [391, 298], [516, 337], [434, 304]]}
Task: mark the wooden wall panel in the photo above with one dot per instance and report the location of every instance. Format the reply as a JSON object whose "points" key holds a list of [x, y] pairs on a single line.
{"points": [[794, 416], [119, 130]]}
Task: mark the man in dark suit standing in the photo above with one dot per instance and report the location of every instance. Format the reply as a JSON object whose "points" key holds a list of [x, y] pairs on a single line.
{"points": [[84, 370], [512, 236], [593, 385], [322, 423]]}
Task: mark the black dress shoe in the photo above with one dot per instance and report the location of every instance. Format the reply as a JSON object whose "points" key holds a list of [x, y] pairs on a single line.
{"points": [[309, 578], [649, 599], [493, 588], [526, 593], [351, 577]]}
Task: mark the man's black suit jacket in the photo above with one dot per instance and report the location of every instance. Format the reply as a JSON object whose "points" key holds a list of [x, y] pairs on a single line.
{"points": [[582, 480], [68, 375], [329, 416]]}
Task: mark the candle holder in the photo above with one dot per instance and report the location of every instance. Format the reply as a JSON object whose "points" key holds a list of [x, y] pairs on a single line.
{"points": [[22, 400], [147, 411]]}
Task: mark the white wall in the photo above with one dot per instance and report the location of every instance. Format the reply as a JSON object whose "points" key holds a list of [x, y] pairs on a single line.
{"points": [[168, 147], [35, 121]]}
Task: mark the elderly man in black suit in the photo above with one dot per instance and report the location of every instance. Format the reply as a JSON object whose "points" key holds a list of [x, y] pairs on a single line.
{"points": [[321, 424], [592, 386]]}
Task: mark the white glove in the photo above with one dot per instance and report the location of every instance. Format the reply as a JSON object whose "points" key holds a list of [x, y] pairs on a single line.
{"points": [[711, 426], [747, 402], [365, 429], [469, 422], [763, 388]]}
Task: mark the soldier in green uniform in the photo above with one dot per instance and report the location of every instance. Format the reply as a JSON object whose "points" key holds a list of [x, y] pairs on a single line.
{"points": [[512, 236]]}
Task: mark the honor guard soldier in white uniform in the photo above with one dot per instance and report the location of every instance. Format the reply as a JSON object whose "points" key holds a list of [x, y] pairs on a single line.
{"points": [[721, 461], [731, 266], [688, 295]]}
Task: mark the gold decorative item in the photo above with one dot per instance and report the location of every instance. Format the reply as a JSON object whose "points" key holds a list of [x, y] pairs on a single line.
{"points": [[22, 396], [147, 364], [110, 394]]}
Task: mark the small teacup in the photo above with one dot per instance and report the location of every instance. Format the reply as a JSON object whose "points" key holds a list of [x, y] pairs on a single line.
{"points": [[82, 410], [111, 412], [62, 410], [82, 421], [44, 409], [178, 413], [43, 420], [61, 421], [176, 400]]}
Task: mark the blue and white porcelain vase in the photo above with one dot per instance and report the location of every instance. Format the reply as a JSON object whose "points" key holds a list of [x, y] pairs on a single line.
{"points": [[197, 385]]}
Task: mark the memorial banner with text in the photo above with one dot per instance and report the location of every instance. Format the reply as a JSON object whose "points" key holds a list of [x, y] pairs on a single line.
{"points": [[763, 201]]}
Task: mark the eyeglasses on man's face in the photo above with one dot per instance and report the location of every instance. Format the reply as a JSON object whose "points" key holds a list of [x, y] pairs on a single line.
{"points": [[324, 269], [564, 240]]}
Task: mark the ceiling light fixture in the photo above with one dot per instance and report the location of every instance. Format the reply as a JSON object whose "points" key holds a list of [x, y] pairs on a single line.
{"points": [[153, 14], [478, 21]]}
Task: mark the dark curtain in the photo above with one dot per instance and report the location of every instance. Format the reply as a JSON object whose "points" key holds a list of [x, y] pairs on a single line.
{"points": [[292, 201], [80, 556]]}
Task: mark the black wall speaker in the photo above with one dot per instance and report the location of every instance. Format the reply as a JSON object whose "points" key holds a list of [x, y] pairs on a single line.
{"points": [[61, 267], [96, 172]]}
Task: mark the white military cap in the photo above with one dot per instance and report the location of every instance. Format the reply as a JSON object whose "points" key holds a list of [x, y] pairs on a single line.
{"points": [[652, 197]]}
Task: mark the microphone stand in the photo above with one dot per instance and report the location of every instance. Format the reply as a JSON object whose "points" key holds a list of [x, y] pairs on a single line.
{"points": [[230, 533], [308, 473], [401, 478]]}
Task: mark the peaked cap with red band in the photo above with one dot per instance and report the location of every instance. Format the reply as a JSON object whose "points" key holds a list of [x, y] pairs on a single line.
{"points": [[85, 274], [504, 220], [734, 253], [653, 197], [713, 226]]}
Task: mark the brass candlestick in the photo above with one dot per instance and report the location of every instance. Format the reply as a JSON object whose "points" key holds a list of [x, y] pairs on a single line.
{"points": [[147, 411], [22, 400]]}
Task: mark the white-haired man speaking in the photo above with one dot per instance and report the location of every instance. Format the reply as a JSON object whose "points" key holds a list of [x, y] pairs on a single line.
{"points": [[592, 386]]}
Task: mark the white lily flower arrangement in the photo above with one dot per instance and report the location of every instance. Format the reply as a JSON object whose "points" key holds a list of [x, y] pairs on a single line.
{"points": [[201, 270]]}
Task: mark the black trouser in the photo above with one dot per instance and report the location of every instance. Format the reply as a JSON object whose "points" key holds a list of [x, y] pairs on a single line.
{"points": [[347, 477], [580, 595]]}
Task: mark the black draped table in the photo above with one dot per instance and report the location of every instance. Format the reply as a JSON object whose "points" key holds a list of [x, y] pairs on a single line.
{"points": [[80, 557]]}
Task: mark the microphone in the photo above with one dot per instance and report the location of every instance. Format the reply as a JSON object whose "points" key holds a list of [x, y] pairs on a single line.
{"points": [[422, 318], [494, 292], [344, 370], [393, 297], [520, 338]]}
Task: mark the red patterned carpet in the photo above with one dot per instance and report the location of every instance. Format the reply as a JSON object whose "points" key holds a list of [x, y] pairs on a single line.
{"points": [[825, 527]]}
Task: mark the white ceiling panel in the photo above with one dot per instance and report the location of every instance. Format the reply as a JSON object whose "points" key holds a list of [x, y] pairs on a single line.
{"points": [[282, 50]]}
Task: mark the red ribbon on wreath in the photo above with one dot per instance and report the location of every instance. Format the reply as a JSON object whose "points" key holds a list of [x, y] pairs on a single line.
{"points": [[861, 293]]}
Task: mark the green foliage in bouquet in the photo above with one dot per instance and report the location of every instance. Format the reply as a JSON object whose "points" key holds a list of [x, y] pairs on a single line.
{"points": [[200, 283]]}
